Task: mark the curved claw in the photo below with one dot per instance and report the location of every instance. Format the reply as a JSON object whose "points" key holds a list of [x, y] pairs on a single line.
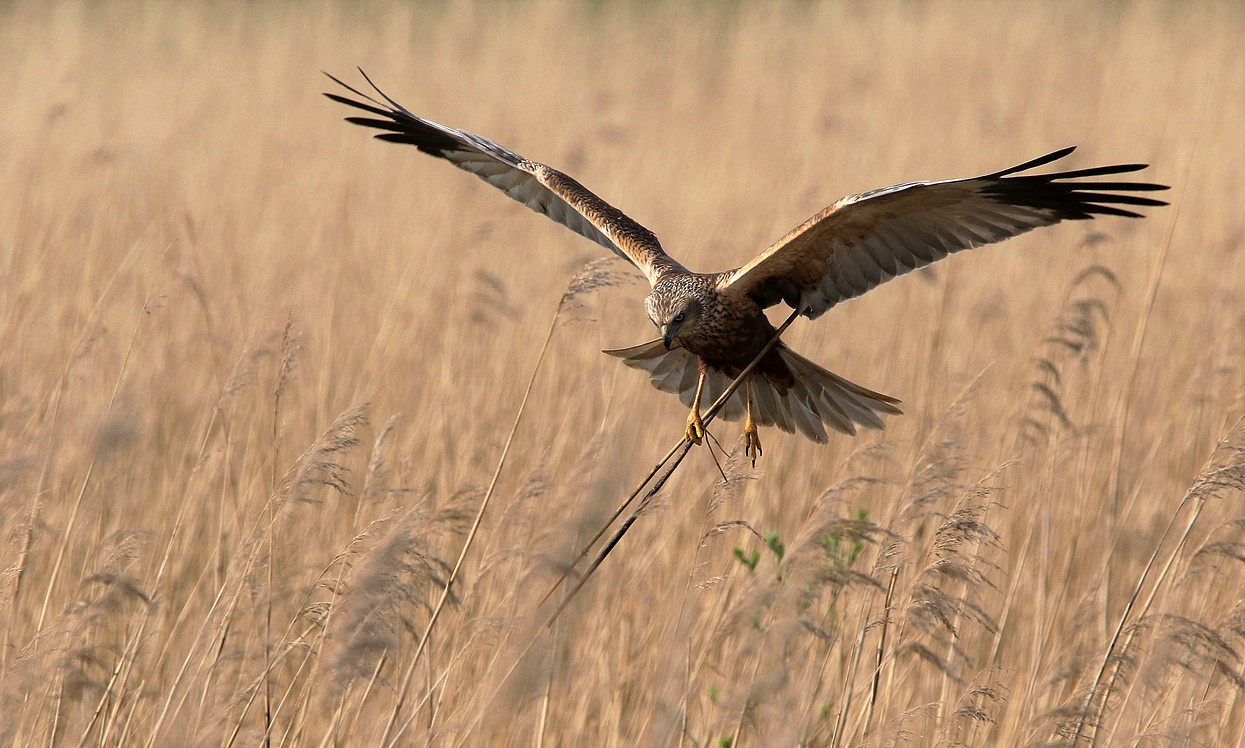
{"points": [[695, 428], [752, 444]]}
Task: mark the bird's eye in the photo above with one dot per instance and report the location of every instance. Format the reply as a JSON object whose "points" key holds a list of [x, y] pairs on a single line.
{"points": [[679, 317]]}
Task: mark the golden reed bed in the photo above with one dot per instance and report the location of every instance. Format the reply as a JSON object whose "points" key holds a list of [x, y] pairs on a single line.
{"points": [[256, 372]]}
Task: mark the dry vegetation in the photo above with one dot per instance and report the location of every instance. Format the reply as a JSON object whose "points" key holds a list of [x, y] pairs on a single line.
{"points": [[257, 371]]}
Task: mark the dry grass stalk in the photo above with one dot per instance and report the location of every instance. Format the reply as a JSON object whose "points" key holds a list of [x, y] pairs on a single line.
{"points": [[133, 197]]}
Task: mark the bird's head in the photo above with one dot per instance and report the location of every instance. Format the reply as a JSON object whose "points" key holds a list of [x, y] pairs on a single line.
{"points": [[674, 312]]}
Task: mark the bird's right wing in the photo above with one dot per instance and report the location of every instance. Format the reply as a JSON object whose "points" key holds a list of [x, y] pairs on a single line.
{"points": [[539, 187]]}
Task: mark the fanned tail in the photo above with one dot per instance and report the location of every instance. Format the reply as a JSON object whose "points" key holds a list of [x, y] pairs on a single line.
{"points": [[820, 399], [816, 399]]}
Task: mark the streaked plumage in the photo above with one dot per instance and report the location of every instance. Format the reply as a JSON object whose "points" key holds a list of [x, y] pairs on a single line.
{"points": [[713, 324]]}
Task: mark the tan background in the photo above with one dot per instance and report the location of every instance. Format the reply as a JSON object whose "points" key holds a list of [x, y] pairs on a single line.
{"points": [[174, 189]]}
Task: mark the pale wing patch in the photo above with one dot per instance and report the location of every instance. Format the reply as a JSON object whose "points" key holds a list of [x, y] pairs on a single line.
{"points": [[864, 240]]}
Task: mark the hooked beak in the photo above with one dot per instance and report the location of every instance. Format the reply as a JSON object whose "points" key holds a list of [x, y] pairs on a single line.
{"points": [[666, 337]]}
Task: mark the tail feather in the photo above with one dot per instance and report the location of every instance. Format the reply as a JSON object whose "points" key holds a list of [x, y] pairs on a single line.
{"points": [[860, 405], [817, 400], [802, 412]]}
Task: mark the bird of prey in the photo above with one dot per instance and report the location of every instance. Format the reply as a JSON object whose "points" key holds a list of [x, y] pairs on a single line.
{"points": [[712, 325]]}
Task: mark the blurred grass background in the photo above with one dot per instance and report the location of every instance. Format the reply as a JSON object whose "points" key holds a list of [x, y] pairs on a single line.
{"points": [[216, 298]]}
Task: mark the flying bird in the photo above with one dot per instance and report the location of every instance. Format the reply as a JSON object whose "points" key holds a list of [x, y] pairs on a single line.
{"points": [[712, 325]]}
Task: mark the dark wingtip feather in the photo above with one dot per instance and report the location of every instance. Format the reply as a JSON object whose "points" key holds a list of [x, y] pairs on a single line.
{"points": [[1132, 186], [358, 105], [379, 124], [1097, 171], [399, 137], [1094, 197], [1073, 200], [1034, 163], [1108, 210], [352, 90], [383, 95]]}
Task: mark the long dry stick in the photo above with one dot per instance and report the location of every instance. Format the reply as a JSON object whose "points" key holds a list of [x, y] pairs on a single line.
{"points": [[682, 448], [613, 517], [1139, 336], [1118, 453], [1111, 656], [50, 421], [471, 534], [285, 368], [86, 479]]}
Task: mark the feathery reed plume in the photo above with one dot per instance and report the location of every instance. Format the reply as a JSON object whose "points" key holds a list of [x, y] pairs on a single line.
{"points": [[943, 594], [322, 614], [491, 304], [604, 272], [940, 598], [936, 475], [78, 655], [285, 373], [254, 566], [1224, 472], [590, 484], [930, 613], [394, 579], [1076, 333], [1227, 543], [321, 464], [975, 708], [1195, 648], [243, 376], [376, 480], [289, 350]]}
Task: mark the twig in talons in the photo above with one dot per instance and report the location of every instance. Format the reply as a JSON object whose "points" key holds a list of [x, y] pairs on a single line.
{"points": [[682, 449], [613, 517], [725, 451], [714, 454]]}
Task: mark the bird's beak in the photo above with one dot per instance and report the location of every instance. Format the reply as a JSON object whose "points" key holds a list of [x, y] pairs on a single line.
{"points": [[666, 337]]}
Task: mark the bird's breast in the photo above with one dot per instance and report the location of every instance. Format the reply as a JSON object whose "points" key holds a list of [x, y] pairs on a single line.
{"points": [[729, 338]]}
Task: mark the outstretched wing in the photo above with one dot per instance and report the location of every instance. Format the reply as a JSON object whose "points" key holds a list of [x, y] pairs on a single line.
{"points": [[864, 240], [539, 187]]}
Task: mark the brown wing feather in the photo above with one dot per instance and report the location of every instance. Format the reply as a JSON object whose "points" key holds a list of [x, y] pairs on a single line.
{"points": [[864, 240], [539, 187]]}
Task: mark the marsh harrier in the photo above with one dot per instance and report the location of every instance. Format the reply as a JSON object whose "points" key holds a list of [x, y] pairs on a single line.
{"points": [[712, 325]]}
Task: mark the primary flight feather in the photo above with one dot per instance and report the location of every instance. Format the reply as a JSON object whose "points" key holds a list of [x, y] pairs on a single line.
{"points": [[712, 324]]}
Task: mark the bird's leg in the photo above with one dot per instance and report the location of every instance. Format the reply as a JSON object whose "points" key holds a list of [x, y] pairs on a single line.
{"points": [[695, 427], [752, 438]]}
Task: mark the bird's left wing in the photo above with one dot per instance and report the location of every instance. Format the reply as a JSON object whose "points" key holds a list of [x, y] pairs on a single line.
{"points": [[864, 240], [539, 187]]}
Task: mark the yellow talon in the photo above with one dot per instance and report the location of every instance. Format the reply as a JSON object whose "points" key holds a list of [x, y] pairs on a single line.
{"points": [[752, 438], [695, 427], [752, 444]]}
